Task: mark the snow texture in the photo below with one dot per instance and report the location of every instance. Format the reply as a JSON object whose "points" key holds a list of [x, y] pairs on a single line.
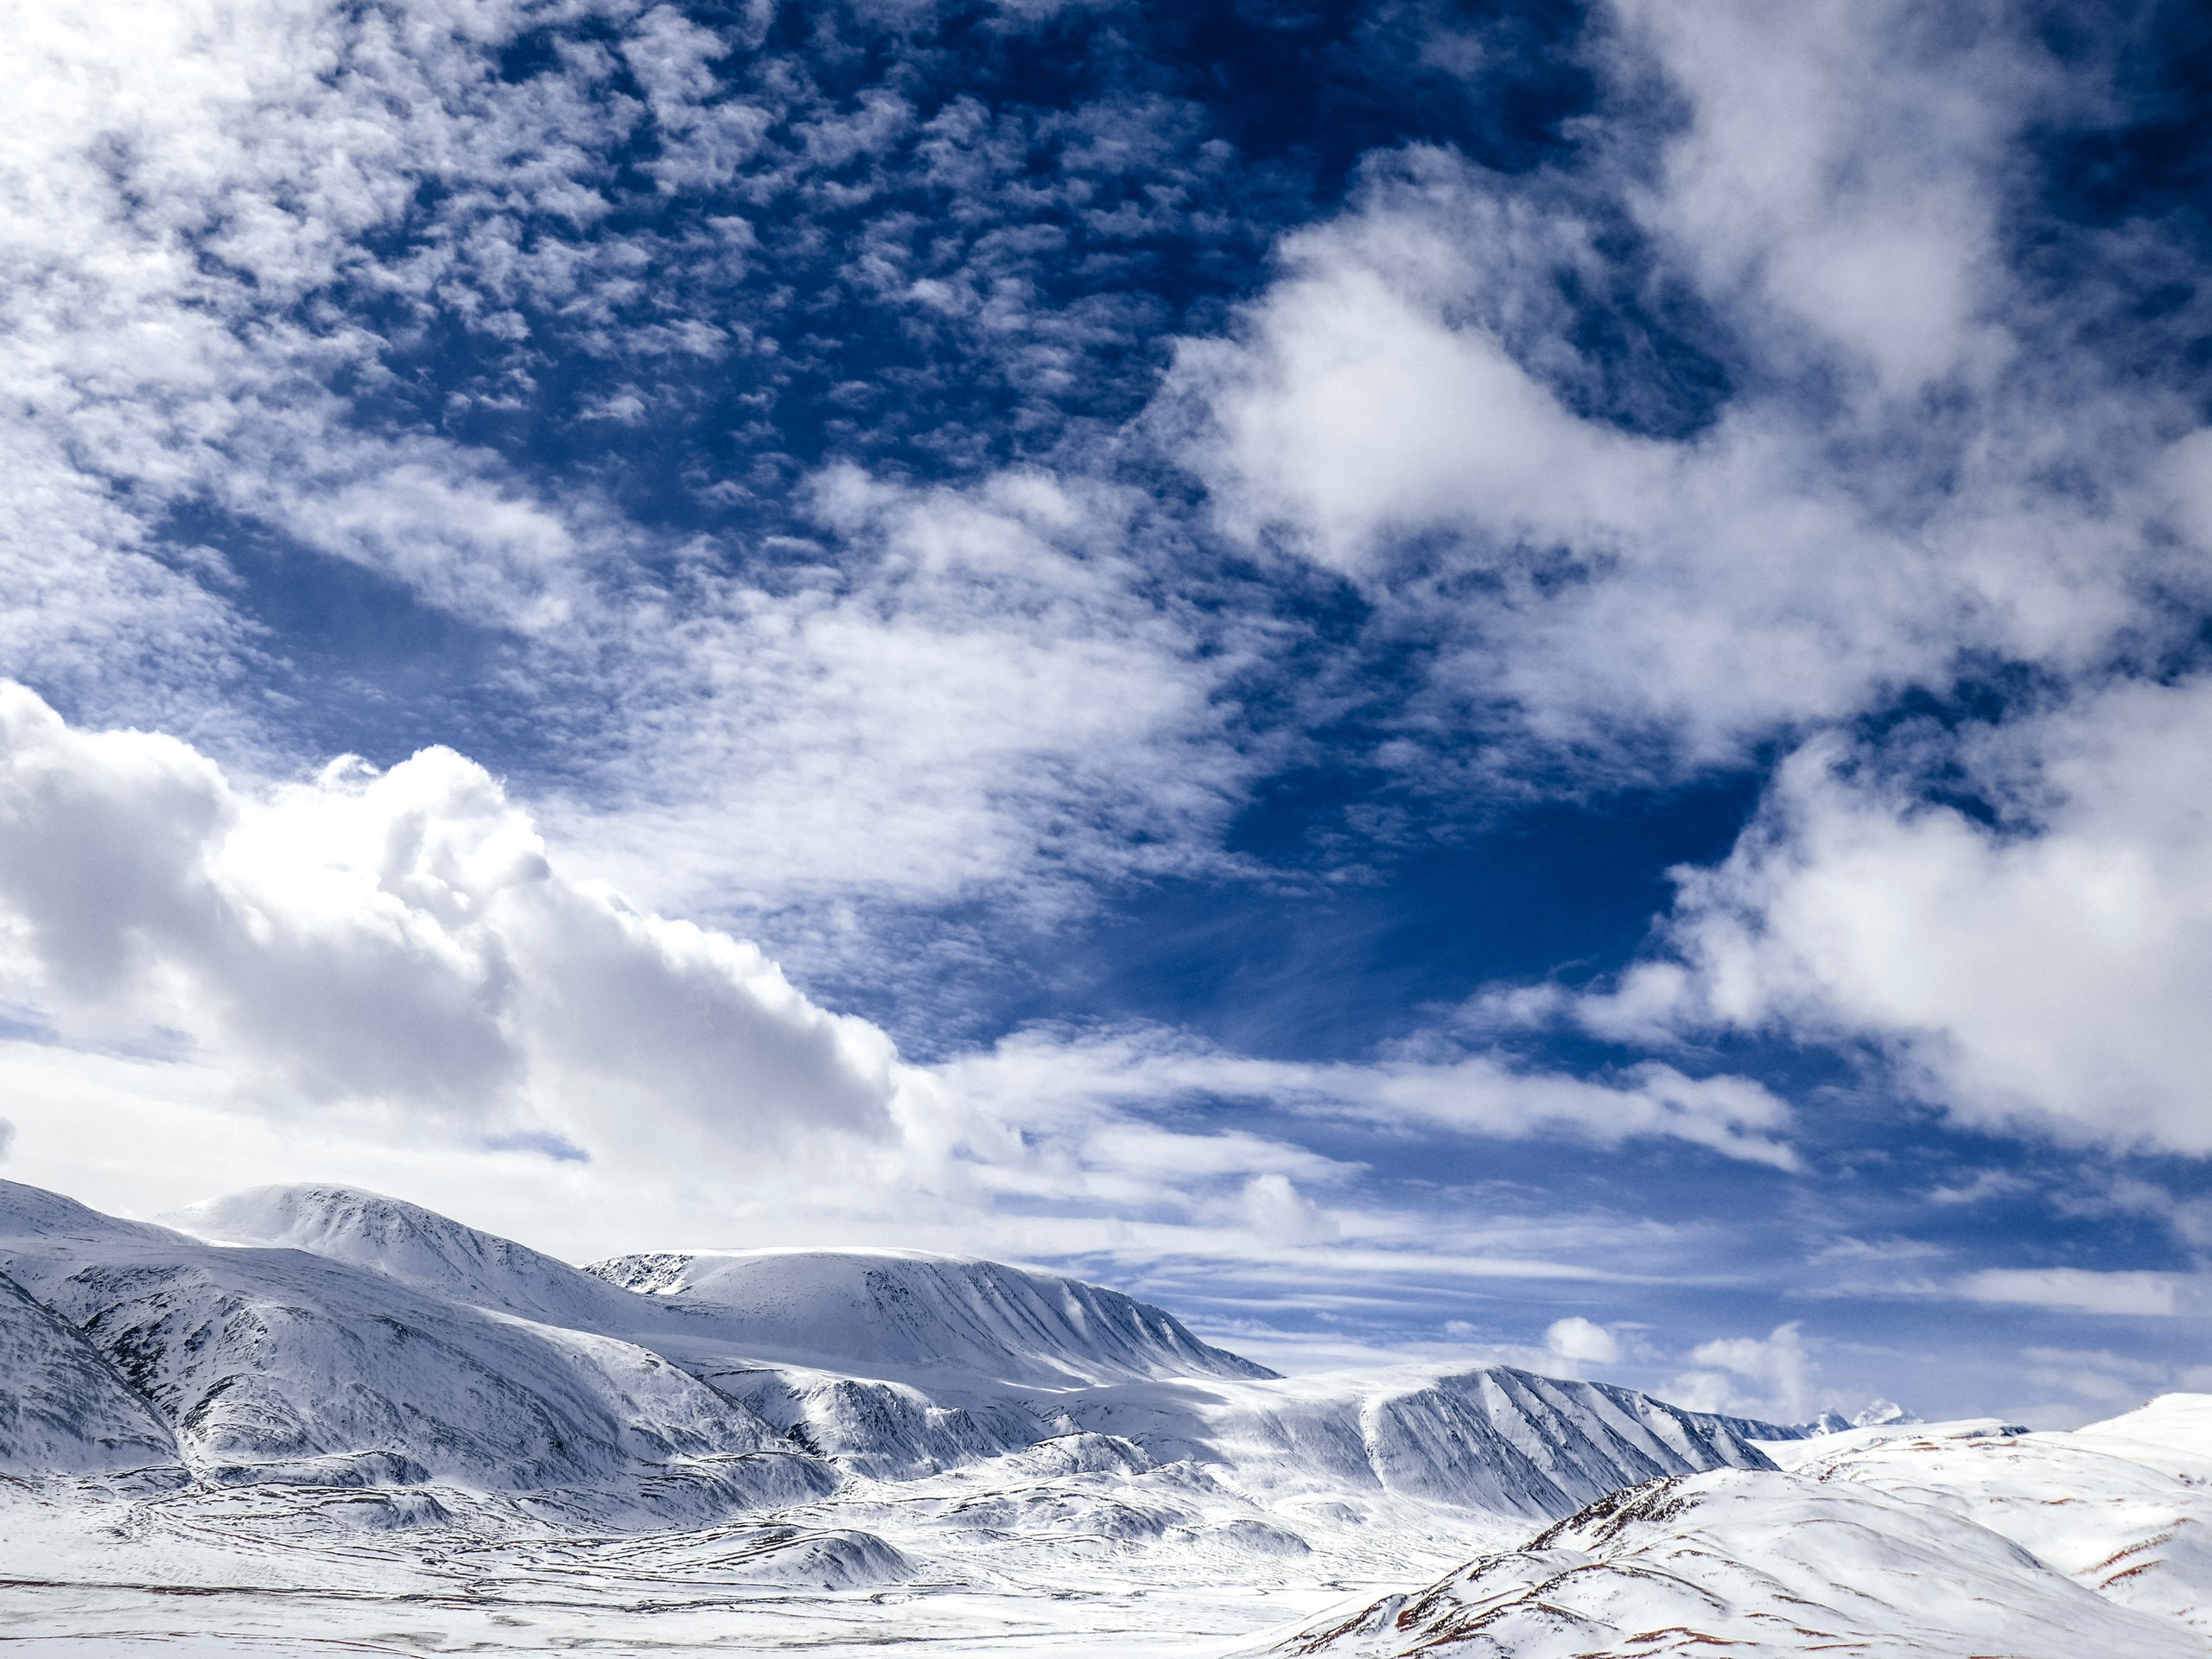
{"points": [[1892, 1539]]}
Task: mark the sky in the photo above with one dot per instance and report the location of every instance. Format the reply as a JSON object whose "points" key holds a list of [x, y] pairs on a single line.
{"points": [[1433, 682]]}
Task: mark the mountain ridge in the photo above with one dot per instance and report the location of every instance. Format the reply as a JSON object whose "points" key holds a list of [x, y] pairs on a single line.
{"points": [[319, 1334]]}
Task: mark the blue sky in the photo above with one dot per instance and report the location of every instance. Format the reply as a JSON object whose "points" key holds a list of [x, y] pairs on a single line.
{"points": [[1521, 682]]}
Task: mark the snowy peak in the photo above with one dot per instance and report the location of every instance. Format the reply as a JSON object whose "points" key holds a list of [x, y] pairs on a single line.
{"points": [[1884, 1414], [417, 1247], [277, 1365], [896, 1313], [33, 1213]]}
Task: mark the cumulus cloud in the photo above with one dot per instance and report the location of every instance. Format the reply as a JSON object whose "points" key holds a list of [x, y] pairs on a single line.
{"points": [[1844, 165], [1715, 431], [398, 940], [1580, 1341], [397, 958], [1772, 1376], [239, 223], [2045, 968], [1406, 406]]}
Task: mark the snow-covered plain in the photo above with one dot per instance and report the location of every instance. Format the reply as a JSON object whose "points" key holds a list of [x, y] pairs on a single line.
{"points": [[314, 1419]]}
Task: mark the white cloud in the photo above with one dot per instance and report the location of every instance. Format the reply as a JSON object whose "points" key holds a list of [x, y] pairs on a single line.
{"points": [[1276, 1210], [973, 692], [1843, 163], [973, 696], [398, 941], [2078, 1290], [2051, 972], [1778, 1365], [1477, 1095], [1403, 406], [1581, 1341], [392, 971]]}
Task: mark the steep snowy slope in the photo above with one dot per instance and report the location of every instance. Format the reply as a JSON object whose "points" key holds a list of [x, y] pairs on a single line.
{"points": [[1753, 1563], [2124, 1508], [63, 1410], [273, 1363], [1494, 1438], [896, 1313], [417, 1247]]}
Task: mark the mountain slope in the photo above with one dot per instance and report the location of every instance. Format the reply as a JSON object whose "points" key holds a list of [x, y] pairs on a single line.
{"points": [[1752, 1563], [63, 1410], [2123, 1508], [417, 1247], [900, 1364], [310, 1369], [1493, 1439], [895, 1313]]}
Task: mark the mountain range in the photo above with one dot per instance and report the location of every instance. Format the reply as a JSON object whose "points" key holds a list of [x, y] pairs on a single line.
{"points": [[310, 1405]]}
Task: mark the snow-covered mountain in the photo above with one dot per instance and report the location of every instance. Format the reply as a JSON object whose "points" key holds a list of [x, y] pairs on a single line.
{"points": [[321, 1336], [281, 1366], [1894, 1539], [63, 1408], [900, 1313], [1753, 1563], [354, 1401], [900, 1364], [418, 1247], [1492, 1439]]}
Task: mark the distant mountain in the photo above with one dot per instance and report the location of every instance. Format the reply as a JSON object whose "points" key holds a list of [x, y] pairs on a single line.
{"points": [[896, 1313], [418, 1247], [323, 1337], [1883, 1413], [331, 1388], [277, 1365]]}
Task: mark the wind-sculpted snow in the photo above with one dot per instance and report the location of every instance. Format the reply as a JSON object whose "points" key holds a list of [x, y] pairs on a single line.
{"points": [[896, 1313]]}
